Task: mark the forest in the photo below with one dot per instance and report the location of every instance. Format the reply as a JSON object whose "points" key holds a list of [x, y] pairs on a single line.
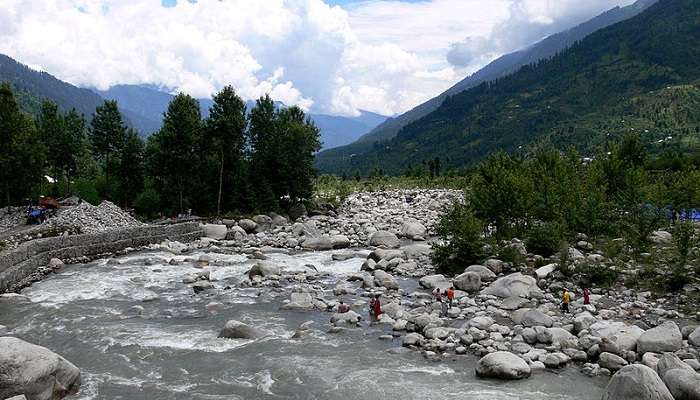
{"points": [[233, 161]]}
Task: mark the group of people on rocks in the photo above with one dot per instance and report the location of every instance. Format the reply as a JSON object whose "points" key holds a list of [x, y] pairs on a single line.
{"points": [[566, 299]]}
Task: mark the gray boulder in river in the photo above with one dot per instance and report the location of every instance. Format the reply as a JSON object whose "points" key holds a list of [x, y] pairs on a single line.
{"points": [[264, 269], [515, 284], [384, 239], [502, 365], [238, 330], [35, 371], [684, 384], [636, 382]]}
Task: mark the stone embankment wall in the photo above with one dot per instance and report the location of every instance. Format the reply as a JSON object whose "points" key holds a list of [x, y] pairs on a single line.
{"points": [[18, 264]]}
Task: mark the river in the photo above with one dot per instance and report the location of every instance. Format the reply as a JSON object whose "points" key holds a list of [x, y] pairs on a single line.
{"points": [[171, 349]]}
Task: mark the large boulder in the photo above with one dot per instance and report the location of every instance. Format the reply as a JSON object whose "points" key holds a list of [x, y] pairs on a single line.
{"points": [[35, 371], [413, 230], [238, 330], [622, 335], [299, 302], [340, 241], [385, 279], [636, 382], [384, 239], [264, 269], [434, 281], [350, 318], [694, 337], [468, 281], [683, 384], [611, 361], [534, 317], [264, 223], [485, 274], [502, 365], [668, 362], [318, 243], [248, 225], [583, 321], [544, 271], [236, 233], [665, 337], [515, 284]]}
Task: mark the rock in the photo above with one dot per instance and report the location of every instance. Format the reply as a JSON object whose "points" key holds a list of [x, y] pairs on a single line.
{"points": [[543, 335], [413, 339], [665, 337], [469, 282], [340, 241], [238, 330], [264, 223], [683, 384], [384, 279], [514, 303], [35, 371], [384, 239], [264, 269], [350, 318], [515, 284], [248, 225], [56, 264], [502, 365], [318, 243], [583, 321], [694, 338], [562, 338], [636, 382], [494, 265], [214, 307], [13, 298], [535, 317], [668, 362], [485, 274], [201, 286], [296, 211], [544, 271], [651, 360], [299, 302], [413, 230], [529, 335], [482, 322], [236, 233], [611, 361], [215, 231], [661, 237], [622, 335], [436, 333], [434, 281]]}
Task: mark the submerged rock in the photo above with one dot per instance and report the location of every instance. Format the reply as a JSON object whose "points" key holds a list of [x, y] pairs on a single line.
{"points": [[35, 371], [238, 330]]}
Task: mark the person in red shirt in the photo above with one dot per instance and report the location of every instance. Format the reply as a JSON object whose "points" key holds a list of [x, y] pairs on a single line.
{"points": [[586, 296], [343, 308], [450, 296], [376, 308]]}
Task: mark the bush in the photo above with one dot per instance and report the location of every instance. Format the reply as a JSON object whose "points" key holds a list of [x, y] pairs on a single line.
{"points": [[545, 239], [597, 275], [511, 255], [148, 203], [462, 240]]}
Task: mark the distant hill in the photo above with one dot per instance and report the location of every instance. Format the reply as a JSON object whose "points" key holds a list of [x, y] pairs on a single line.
{"points": [[500, 67], [33, 87], [150, 104], [641, 74]]}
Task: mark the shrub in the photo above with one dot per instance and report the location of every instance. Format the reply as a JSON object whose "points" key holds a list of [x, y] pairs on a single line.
{"points": [[462, 240], [597, 275], [545, 239], [511, 255]]}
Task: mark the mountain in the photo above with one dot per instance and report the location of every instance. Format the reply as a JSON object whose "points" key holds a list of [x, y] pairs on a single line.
{"points": [[500, 67], [150, 104], [640, 75], [33, 87]]}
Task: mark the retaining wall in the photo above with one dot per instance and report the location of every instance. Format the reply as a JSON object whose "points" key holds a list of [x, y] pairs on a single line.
{"points": [[18, 264]]}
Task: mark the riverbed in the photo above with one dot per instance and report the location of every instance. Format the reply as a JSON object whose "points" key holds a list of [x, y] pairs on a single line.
{"points": [[137, 332]]}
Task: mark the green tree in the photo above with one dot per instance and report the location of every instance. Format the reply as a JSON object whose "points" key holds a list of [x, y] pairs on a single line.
{"points": [[130, 171], [263, 141], [21, 153], [107, 134], [74, 145], [298, 143], [174, 152], [52, 132], [225, 136]]}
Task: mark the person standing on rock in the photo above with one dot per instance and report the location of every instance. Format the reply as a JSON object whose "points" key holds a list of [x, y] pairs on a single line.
{"points": [[450, 296], [437, 295], [586, 296], [343, 308], [566, 299]]}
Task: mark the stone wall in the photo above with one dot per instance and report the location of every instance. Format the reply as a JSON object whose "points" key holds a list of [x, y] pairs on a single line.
{"points": [[18, 264]]}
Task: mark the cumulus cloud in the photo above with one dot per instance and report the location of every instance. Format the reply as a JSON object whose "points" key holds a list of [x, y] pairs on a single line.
{"points": [[381, 56]]}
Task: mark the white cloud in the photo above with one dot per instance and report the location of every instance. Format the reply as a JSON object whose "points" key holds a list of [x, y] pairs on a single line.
{"points": [[381, 56]]}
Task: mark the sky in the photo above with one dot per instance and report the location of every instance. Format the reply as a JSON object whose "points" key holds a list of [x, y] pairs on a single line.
{"points": [[334, 56]]}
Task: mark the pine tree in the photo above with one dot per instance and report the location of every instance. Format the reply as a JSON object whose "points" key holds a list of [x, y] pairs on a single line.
{"points": [[225, 136], [52, 132], [107, 134], [174, 152], [130, 171]]}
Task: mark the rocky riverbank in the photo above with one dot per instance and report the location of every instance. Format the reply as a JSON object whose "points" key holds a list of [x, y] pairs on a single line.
{"points": [[505, 313]]}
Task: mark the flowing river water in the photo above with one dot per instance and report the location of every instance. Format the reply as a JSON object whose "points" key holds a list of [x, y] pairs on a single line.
{"points": [[171, 349]]}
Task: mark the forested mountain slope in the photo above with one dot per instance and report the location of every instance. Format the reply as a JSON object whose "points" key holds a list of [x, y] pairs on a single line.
{"points": [[640, 74], [500, 67]]}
